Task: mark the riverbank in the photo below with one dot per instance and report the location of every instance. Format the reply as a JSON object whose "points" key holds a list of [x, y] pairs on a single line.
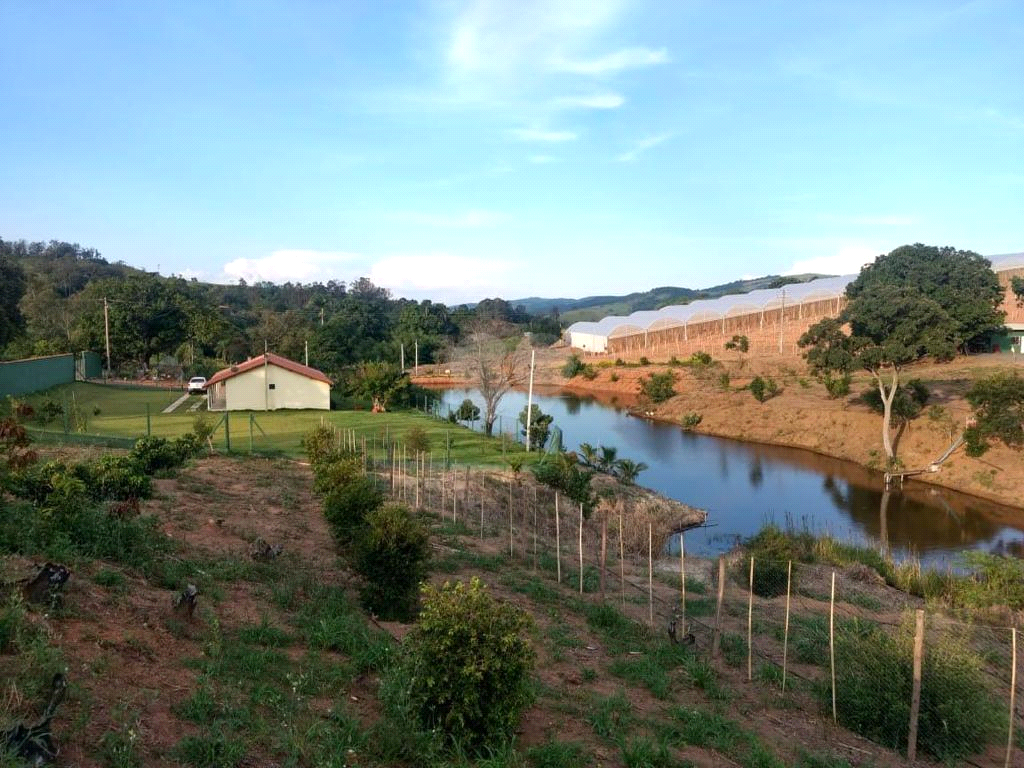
{"points": [[803, 416]]}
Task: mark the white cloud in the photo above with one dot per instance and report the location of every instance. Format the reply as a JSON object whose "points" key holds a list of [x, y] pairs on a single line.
{"points": [[469, 220], [442, 276], [304, 266], [594, 101], [543, 159], [627, 58], [846, 261], [500, 38], [536, 134], [642, 146]]}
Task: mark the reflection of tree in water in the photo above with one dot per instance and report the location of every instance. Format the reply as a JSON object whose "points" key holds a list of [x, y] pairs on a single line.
{"points": [[756, 472], [723, 462], [914, 518], [572, 404]]}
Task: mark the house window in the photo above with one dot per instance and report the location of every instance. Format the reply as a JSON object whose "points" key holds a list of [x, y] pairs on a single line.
{"points": [[273, 385]]}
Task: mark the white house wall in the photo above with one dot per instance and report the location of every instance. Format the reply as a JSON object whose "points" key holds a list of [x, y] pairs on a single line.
{"points": [[250, 391], [588, 342]]}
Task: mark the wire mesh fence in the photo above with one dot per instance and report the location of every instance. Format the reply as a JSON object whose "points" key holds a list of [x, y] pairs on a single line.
{"points": [[835, 641]]}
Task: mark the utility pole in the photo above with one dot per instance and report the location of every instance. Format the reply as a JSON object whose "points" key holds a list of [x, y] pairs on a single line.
{"points": [[307, 352], [417, 364], [401, 358], [106, 330], [321, 316], [266, 379]]}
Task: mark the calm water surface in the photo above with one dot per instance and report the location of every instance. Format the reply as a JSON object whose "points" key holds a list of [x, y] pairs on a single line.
{"points": [[743, 485]]}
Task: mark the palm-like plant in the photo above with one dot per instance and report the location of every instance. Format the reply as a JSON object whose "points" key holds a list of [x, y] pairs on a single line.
{"points": [[606, 461], [628, 470], [588, 455]]}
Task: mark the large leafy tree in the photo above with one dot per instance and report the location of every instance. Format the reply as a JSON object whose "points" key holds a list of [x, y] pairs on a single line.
{"points": [[382, 383], [961, 282], [998, 402], [12, 286], [495, 365], [882, 330]]}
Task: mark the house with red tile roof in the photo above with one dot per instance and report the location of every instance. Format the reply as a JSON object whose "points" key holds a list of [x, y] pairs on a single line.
{"points": [[268, 382]]}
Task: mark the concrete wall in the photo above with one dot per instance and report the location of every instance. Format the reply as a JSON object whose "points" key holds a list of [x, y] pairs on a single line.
{"points": [[281, 388]]}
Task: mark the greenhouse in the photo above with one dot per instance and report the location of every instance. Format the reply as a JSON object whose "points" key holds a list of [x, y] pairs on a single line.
{"points": [[772, 319]]}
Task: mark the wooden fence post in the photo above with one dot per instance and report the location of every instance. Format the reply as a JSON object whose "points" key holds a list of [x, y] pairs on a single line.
{"points": [[650, 572], [832, 644], [622, 557], [682, 580], [1013, 694], [785, 633], [915, 696], [750, 625], [604, 552], [558, 541], [716, 641], [581, 549]]}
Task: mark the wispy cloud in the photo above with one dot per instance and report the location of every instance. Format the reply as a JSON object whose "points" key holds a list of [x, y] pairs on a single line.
{"points": [[595, 101], [468, 220], [430, 275], [846, 261], [536, 134], [304, 266], [627, 58], [642, 146], [543, 159]]}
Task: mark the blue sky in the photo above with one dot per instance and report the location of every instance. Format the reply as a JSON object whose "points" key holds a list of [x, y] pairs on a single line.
{"points": [[457, 150]]}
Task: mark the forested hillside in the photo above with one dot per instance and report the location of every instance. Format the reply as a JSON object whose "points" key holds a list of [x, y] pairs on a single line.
{"points": [[52, 299]]}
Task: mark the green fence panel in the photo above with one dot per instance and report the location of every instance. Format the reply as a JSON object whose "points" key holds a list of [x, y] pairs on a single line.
{"points": [[21, 377]]}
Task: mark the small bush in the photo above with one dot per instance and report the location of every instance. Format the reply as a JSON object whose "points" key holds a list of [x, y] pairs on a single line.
{"points": [[468, 664], [658, 387], [589, 372], [644, 361], [691, 420], [723, 380], [158, 454], [117, 478], [700, 360], [613, 376], [320, 444], [347, 506], [738, 344], [391, 555], [959, 716], [763, 388], [573, 366], [340, 469], [619, 362], [417, 440], [836, 386]]}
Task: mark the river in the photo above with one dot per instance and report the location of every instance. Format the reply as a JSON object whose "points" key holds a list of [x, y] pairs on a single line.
{"points": [[745, 485]]}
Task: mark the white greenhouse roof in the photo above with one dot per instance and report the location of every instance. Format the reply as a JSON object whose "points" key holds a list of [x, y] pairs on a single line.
{"points": [[704, 310]]}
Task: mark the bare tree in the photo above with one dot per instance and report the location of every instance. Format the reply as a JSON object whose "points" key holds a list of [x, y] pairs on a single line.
{"points": [[495, 364]]}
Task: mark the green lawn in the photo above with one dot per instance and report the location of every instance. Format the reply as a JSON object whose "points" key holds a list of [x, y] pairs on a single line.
{"points": [[121, 412]]}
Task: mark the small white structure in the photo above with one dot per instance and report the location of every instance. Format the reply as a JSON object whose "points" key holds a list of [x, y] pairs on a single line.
{"points": [[268, 383]]}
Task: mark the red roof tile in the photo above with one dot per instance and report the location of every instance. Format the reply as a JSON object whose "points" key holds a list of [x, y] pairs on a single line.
{"points": [[271, 359]]}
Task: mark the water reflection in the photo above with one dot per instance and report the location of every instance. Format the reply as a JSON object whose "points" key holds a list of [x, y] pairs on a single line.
{"points": [[744, 485]]}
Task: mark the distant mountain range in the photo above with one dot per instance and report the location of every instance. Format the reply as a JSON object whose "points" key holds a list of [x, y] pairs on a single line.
{"points": [[596, 307]]}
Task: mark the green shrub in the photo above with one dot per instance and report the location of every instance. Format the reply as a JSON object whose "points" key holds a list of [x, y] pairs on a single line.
{"points": [[347, 506], [658, 387], [391, 555], [321, 444], [763, 388], [772, 550], [959, 715], [417, 440], [723, 380], [907, 404], [589, 372], [468, 664], [644, 361], [738, 344], [613, 376], [116, 478], [573, 366], [700, 360], [563, 474], [836, 386], [691, 420], [335, 470], [158, 454]]}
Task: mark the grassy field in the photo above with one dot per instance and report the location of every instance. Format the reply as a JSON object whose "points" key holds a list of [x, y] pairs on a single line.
{"points": [[131, 412]]}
